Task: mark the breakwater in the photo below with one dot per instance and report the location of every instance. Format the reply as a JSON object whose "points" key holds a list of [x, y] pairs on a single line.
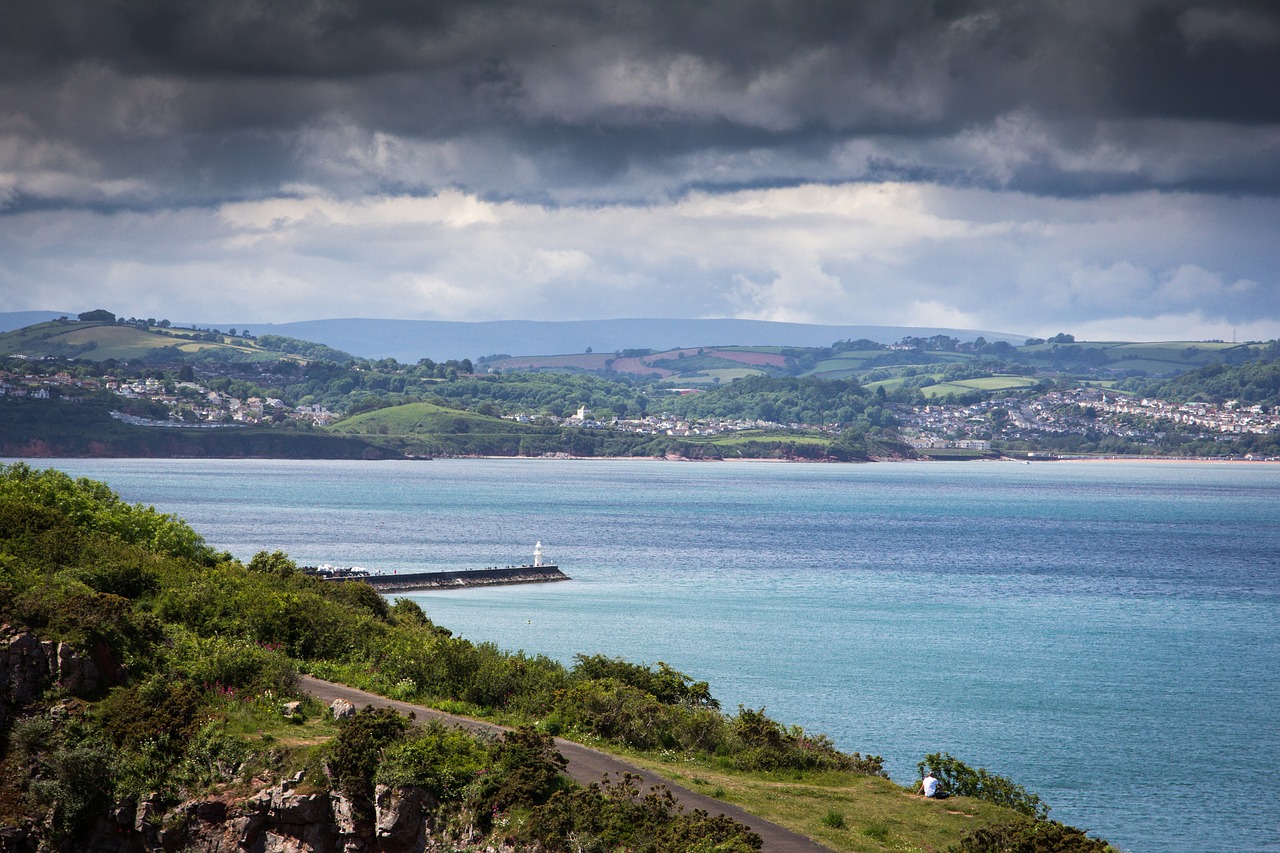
{"points": [[465, 578]]}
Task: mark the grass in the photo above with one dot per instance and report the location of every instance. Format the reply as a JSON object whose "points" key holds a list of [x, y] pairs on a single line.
{"points": [[845, 811], [114, 341], [422, 419]]}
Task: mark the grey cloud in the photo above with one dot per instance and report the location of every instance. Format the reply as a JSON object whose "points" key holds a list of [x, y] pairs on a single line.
{"points": [[190, 101]]}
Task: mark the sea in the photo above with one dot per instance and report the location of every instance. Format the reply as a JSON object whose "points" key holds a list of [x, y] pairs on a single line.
{"points": [[1106, 634]]}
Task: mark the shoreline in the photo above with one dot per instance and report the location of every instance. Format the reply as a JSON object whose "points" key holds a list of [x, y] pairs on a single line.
{"points": [[36, 460]]}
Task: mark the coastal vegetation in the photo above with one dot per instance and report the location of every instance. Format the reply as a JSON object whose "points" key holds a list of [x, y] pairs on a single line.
{"points": [[170, 671]]}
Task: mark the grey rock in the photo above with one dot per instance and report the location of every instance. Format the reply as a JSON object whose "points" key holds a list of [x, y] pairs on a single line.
{"points": [[400, 825]]}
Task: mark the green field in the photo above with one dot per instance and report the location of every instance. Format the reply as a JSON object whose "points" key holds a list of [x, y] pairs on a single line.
{"points": [[986, 383], [102, 341], [417, 419]]}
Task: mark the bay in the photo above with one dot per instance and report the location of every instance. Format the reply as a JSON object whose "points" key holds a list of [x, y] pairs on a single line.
{"points": [[1104, 633]]}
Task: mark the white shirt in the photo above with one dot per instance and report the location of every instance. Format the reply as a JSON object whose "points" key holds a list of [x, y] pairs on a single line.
{"points": [[930, 785]]}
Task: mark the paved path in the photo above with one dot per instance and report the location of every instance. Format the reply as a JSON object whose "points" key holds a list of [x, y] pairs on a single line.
{"points": [[585, 765]]}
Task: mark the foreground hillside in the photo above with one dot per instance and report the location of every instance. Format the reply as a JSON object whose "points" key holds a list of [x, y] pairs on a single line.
{"points": [[150, 699]]}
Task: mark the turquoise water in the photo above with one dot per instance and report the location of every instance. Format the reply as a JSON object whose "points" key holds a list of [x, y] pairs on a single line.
{"points": [[1106, 634]]}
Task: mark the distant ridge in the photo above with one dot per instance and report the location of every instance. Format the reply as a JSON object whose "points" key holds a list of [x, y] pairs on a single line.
{"points": [[10, 320], [411, 340]]}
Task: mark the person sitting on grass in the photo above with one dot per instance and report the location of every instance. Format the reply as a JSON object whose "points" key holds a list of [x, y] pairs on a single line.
{"points": [[929, 786]]}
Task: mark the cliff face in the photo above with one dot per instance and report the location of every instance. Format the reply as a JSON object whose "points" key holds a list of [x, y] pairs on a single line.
{"points": [[275, 819], [29, 666]]}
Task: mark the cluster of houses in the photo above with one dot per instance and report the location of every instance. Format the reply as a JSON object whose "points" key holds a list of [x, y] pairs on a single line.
{"points": [[1079, 410], [27, 386], [189, 403], [1229, 418]]}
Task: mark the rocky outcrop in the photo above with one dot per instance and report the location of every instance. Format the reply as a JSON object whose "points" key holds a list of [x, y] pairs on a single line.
{"points": [[275, 819], [29, 666]]}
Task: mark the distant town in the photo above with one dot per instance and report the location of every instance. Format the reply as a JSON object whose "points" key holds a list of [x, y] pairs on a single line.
{"points": [[1082, 411]]}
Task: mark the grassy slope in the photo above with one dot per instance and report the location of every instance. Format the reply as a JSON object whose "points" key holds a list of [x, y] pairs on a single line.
{"points": [[419, 419], [106, 341], [877, 814]]}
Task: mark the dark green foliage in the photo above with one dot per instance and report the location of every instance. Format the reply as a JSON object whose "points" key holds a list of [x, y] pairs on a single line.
{"points": [[614, 816], [959, 779], [159, 710], [667, 685], [761, 743], [438, 759], [273, 563], [408, 613], [780, 400], [220, 662], [1030, 837], [359, 596], [90, 505], [525, 769], [75, 783], [354, 755]]}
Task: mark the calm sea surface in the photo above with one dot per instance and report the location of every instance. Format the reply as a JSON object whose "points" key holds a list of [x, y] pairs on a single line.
{"points": [[1106, 634]]}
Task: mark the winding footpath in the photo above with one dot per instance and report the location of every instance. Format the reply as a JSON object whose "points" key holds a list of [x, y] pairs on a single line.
{"points": [[585, 765]]}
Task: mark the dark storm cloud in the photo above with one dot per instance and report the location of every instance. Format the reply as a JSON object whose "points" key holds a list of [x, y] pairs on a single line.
{"points": [[175, 101]]}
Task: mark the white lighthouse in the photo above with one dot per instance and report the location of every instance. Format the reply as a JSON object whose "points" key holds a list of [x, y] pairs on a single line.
{"points": [[537, 553]]}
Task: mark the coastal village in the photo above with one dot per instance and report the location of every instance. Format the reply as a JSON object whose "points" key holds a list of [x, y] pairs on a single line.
{"points": [[1082, 410]]}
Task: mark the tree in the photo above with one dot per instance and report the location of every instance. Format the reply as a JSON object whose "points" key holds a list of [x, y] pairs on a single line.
{"points": [[98, 315]]}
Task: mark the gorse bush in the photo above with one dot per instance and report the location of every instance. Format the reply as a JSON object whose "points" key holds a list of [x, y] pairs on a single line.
{"points": [[1041, 836], [665, 684], [438, 759]]}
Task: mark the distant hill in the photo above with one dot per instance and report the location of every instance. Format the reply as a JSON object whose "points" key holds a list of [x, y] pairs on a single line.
{"points": [[411, 340], [10, 320], [99, 341]]}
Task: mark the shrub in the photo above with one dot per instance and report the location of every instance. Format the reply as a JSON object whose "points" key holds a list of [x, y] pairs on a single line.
{"points": [[667, 685], [231, 662], [353, 756], [77, 784], [525, 769], [440, 759], [158, 710], [1040, 836], [614, 816], [959, 779]]}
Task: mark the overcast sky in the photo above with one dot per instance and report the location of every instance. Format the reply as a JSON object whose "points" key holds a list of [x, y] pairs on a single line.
{"points": [[1105, 167]]}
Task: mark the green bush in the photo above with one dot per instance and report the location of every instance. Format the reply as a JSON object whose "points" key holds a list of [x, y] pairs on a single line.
{"points": [[959, 779], [91, 505], [667, 685], [354, 755], [1040, 836], [158, 710], [440, 759], [615, 816], [221, 662], [525, 770]]}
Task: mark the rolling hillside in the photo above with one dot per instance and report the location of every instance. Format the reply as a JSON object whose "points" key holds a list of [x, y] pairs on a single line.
{"points": [[100, 341], [410, 340]]}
